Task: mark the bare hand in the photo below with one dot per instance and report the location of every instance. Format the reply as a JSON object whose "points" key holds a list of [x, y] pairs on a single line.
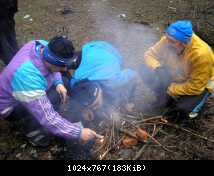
{"points": [[87, 134], [60, 88]]}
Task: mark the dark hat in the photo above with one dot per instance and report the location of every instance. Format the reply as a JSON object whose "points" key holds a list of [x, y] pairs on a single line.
{"points": [[61, 47], [61, 52], [85, 92]]}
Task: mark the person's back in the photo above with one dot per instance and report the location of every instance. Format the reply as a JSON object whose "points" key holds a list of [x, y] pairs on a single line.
{"points": [[202, 49], [100, 61]]}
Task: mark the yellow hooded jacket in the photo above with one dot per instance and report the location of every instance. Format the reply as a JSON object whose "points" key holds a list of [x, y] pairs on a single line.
{"points": [[192, 70]]}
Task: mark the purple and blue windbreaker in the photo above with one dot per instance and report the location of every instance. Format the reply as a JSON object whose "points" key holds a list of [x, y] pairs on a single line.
{"points": [[25, 80]]}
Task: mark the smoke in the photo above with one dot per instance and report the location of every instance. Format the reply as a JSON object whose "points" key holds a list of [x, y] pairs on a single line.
{"points": [[131, 39]]}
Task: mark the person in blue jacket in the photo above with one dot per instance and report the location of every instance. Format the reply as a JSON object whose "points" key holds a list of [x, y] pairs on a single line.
{"points": [[101, 62]]}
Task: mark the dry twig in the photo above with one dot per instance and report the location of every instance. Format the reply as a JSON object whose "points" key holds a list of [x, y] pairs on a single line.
{"points": [[188, 131], [109, 149], [150, 119], [139, 153]]}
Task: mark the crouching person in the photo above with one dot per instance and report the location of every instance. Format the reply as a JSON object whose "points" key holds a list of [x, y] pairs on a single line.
{"points": [[25, 82], [101, 62], [83, 105], [181, 69]]}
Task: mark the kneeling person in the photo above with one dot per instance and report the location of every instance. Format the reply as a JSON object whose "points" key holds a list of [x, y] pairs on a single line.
{"points": [[181, 67], [27, 79]]}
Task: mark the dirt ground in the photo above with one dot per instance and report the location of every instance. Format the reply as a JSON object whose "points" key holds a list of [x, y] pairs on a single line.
{"points": [[133, 26]]}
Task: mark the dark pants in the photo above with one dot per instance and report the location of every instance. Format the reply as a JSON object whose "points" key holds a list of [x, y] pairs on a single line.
{"points": [[8, 43], [188, 104], [158, 81]]}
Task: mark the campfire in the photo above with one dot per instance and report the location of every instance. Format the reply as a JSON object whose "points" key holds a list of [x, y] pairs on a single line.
{"points": [[135, 130]]}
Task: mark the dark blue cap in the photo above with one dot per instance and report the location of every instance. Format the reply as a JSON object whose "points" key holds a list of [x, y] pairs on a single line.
{"points": [[61, 52], [85, 92]]}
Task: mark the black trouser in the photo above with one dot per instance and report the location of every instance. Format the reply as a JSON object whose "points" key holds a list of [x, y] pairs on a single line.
{"points": [[8, 43], [158, 80], [188, 104]]}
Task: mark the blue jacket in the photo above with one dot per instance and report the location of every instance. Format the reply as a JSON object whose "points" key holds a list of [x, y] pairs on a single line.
{"points": [[102, 62]]}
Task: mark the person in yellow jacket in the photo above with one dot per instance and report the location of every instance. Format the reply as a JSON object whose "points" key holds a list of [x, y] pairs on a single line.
{"points": [[181, 65]]}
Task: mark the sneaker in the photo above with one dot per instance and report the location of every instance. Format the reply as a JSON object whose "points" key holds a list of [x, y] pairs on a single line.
{"points": [[38, 138], [193, 115]]}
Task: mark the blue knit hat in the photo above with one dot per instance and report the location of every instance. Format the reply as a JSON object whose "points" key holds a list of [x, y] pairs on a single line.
{"points": [[181, 31]]}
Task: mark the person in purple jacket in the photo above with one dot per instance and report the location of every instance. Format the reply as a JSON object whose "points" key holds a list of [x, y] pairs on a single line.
{"points": [[26, 80]]}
